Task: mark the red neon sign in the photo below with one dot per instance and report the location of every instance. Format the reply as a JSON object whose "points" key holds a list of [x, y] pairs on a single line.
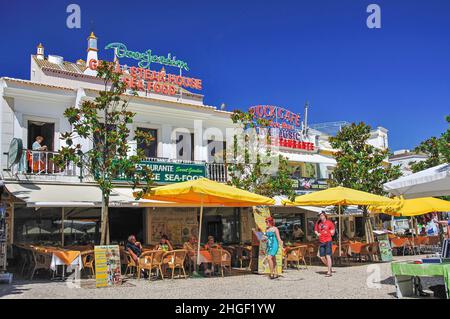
{"points": [[141, 79]]}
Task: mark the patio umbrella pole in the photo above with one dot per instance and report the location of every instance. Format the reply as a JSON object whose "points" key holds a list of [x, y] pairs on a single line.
{"points": [[196, 272], [62, 227], [340, 231]]}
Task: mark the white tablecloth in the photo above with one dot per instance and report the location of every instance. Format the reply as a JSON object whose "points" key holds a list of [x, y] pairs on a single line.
{"points": [[77, 263]]}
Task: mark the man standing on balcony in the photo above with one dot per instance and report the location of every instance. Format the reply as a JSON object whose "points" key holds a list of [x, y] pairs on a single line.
{"points": [[38, 164], [37, 145]]}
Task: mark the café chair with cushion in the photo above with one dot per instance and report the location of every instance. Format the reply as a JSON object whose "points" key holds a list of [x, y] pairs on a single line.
{"points": [[88, 259], [296, 255], [222, 259], [175, 260]]}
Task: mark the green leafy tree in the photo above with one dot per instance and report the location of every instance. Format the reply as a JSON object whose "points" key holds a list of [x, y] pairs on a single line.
{"points": [[104, 121], [360, 165], [252, 165], [436, 148]]}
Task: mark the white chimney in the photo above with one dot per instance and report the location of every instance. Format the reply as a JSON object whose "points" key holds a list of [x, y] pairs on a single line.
{"points": [[91, 53], [40, 52]]}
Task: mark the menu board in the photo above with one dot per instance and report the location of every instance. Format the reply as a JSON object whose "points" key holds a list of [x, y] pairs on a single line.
{"points": [[107, 266], [385, 247], [260, 214]]}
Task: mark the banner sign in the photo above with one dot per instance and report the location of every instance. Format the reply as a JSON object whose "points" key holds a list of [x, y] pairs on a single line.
{"points": [[260, 214], [107, 266], [146, 58], [167, 172]]}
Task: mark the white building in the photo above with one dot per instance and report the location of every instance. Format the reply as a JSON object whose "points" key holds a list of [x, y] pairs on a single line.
{"points": [[404, 158], [187, 132]]}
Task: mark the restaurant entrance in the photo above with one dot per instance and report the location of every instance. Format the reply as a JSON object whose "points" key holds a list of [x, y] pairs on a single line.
{"points": [[126, 221]]}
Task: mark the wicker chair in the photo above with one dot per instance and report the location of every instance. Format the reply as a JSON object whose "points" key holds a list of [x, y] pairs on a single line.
{"points": [[41, 260], [146, 260], [244, 254], [131, 265], [312, 252], [221, 258], [296, 255], [175, 260], [344, 256], [88, 259]]}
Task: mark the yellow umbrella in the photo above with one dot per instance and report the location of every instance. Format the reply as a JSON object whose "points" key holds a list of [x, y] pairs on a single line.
{"points": [[339, 196], [414, 207], [204, 191]]}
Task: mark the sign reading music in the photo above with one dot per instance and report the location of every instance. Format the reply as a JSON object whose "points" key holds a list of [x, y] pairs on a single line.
{"points": [[285, 126], [142, 79]]}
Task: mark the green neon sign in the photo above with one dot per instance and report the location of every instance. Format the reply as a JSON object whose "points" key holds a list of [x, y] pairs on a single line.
{"points": [[146, 58]]}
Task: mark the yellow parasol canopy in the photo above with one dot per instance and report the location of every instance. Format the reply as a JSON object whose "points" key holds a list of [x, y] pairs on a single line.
{"points": [[340, 196], [203, 192], [207, 192], [414, 207]]}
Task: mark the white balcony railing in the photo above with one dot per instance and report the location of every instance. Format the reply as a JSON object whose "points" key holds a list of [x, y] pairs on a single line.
{"points": [[40, 164]]}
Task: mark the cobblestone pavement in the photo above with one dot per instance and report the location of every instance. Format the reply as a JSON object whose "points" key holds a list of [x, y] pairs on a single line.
{"points": [[346, 282]]}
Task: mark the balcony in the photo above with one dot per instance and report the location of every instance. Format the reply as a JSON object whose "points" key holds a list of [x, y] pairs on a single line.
{"points": [[39, 165]]}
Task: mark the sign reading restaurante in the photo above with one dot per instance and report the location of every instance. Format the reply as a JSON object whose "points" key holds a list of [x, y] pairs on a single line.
{"points": [[167, 172]]}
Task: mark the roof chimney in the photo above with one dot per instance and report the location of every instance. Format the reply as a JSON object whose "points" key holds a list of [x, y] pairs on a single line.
{"points": [[40, 52]]}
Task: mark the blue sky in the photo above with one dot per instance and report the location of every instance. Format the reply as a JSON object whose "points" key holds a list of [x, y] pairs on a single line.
{"points": [[270, 52]]}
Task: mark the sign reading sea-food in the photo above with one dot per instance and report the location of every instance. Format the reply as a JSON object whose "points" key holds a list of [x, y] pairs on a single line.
{"points": [[107, 266], [166, 172], [147, 57]]}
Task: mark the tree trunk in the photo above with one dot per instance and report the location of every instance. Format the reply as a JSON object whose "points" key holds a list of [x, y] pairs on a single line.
{"points": [[368, 226], [104, 229]]}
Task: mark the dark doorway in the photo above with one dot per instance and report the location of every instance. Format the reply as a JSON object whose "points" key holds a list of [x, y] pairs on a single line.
{"points": [[214, 228], [46, 130], [126, 221]]}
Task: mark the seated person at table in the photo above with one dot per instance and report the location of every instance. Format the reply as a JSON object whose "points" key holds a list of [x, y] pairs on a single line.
{"points": [[211, 243], [191, 244], [134, 248], [164, 244], [297, 233]]}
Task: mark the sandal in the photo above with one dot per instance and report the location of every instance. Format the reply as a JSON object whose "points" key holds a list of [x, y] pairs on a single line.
{"points": [[328, 275]]}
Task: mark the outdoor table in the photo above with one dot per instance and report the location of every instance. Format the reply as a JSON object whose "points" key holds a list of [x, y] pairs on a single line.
{"points": [[65, 258], [355, 248], [405, 272], [205, 257]]}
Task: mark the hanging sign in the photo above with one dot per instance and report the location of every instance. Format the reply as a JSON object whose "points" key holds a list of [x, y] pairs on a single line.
{"points": [[146, 58], [260, 214]]}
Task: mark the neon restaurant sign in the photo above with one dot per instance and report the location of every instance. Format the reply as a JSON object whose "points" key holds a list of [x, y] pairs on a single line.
{"points": [[286, 126], [141, 78], [146, 58]]}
